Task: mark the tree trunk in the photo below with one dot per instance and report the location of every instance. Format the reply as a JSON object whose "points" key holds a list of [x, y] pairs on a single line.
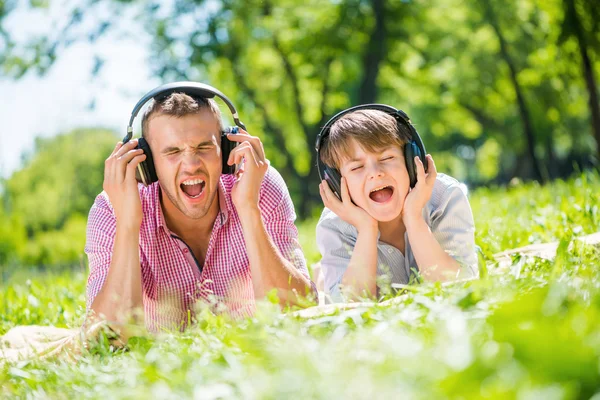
{"points": [[588, 71], [373, 55], [523, 110]]}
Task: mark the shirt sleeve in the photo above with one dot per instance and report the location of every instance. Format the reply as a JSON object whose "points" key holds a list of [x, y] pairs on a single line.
{"points": [[100, 238], [336, 248], [280, 224], [453, 226]]}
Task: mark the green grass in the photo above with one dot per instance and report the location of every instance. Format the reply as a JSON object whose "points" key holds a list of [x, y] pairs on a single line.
{"points": [[531, 331]]}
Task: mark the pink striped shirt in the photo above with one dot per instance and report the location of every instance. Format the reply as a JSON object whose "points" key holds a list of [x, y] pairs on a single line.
{"points": [[173, 283]]}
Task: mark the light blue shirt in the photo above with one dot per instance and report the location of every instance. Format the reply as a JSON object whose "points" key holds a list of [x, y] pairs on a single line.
{"points": [[448, 215]]}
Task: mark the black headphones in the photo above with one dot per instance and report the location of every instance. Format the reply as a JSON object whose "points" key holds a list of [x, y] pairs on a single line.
{"points": [[146, 173], [412, 149]]}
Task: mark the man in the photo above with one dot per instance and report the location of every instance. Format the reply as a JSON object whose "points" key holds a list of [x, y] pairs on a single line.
{"points": [[195, 235]]}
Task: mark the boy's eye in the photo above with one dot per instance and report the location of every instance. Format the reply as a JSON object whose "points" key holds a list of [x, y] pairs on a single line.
{"points": [[387, 158], [356, 168]]}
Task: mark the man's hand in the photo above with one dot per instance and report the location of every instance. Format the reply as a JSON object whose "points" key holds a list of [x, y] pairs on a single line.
{"points": [[345, 209], [120, 183], [245, 192], [421, 193]]}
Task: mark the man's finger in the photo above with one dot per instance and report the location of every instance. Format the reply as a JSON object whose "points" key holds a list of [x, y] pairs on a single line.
{"points": [[125, 148], [131, 167], [255, 141], [245, 153], [117, 147]]}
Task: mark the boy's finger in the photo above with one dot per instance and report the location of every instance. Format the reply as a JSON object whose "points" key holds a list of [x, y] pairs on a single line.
{"points": [[344, 190], [331, 197], [431, 169], [420, 170]]}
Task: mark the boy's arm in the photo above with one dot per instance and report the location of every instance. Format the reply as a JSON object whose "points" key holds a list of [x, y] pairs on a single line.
{"points": [[446, 250], [358, 274]]}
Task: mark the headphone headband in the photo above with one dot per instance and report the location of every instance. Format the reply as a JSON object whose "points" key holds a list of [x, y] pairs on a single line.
{"points": [[396, 113], [189, 88]]}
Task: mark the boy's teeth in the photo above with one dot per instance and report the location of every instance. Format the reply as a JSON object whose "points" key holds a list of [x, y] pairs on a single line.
{"points": [[193, 182], [379, 188]]}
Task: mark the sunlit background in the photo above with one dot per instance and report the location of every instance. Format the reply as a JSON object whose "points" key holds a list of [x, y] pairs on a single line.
{"points": [[499, 90]]}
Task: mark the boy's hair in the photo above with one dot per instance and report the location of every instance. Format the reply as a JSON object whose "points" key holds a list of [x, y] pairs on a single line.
{"points": [[374, 130], [179, 105]]}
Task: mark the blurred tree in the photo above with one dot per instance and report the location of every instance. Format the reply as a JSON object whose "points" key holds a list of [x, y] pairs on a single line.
{"points": [[492, 19], [492, 88], [61, 178], [573, 26]]}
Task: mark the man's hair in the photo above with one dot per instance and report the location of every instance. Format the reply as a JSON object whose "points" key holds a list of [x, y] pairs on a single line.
{"points": [[374, 131], [179, 105]]}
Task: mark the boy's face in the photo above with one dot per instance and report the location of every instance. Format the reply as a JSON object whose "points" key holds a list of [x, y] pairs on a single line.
{"points": [[378, 182]]}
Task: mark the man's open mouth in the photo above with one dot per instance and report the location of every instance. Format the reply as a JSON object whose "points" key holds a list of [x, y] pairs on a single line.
{"points": [[381, 194], [193, 188]]}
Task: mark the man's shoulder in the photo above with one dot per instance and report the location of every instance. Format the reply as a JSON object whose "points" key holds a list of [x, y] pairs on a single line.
{"points": [[273, 189], [274, 182]]}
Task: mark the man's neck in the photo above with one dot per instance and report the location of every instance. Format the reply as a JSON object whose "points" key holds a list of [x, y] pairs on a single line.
{"points": [[186, 228]]}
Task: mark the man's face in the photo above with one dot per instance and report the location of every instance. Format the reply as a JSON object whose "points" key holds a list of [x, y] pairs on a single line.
{"points": [[187, 157], [377, 182]]}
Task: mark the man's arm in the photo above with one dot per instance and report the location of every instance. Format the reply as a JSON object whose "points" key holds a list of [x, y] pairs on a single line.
{"points": [[268, 266], [116, 294]]}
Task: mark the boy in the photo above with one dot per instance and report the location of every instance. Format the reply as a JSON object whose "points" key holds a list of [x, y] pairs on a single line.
{"points": [[381, 227]]}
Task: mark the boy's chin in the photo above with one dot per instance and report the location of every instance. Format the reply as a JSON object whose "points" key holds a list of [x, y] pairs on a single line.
{"points": [[384, 216]]}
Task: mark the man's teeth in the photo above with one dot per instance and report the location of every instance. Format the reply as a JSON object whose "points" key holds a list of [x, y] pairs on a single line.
{"points": [[193, 182]]}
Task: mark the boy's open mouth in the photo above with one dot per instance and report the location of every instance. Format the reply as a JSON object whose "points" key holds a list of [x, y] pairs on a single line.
{"points": [[193, 188], [381, 194]]}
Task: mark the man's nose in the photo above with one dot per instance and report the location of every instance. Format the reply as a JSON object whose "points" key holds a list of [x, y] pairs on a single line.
{"points": [[192, 157]]}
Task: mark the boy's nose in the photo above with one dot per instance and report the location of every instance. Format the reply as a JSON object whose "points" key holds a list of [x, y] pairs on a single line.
{"points": [[375, 172]]}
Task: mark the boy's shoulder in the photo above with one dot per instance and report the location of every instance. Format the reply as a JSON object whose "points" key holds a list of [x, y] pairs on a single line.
{"points": [[445, 186], [330, 221]]}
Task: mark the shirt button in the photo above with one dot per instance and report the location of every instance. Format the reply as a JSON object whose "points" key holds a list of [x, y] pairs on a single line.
{"points": [[185, 250], [390, 251]]}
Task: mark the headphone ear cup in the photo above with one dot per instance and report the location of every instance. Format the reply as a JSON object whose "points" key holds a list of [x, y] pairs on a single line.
{"points": [[146, 173], [411, 150], [334, 179], [227, 147]]}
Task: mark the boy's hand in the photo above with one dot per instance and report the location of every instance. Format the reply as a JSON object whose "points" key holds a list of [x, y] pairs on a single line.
{"points": [[421, 193], [345, 209]]}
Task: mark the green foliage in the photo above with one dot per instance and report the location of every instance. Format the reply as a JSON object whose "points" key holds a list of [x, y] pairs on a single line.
{"points": [[496, 88], [530, 330], [46, 202]]}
